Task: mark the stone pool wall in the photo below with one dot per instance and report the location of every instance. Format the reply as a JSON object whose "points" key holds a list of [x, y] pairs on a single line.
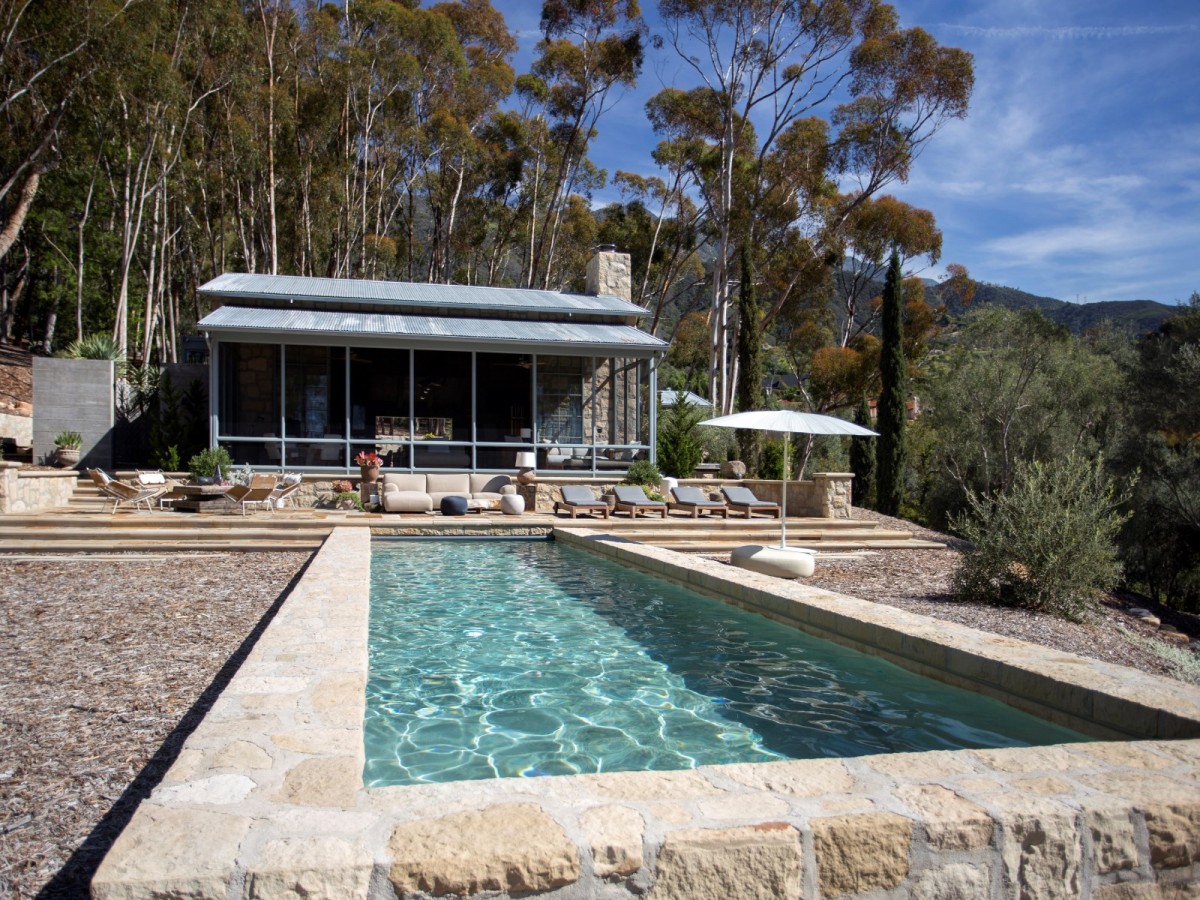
{"points": [[266, 798]]}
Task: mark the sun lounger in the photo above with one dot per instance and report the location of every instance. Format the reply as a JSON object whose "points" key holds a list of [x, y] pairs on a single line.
{"points": [[633, 500], [577, 498], [257, 493], [695, 501], [285, 492], [119, 492], [742, 500], [160, 484]]}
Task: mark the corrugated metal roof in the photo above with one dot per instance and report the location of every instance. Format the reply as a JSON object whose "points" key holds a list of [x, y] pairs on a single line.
{"points": [[670, 398], [401, 293], [432, 328]]}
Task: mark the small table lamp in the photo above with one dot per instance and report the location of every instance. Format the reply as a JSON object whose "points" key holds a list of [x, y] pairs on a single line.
{"points": [[526, 461]]}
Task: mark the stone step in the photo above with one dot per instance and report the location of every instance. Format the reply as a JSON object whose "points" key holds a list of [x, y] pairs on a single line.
{"points": [[8, 547], [150, 533], [831, 545], [168, 521]]}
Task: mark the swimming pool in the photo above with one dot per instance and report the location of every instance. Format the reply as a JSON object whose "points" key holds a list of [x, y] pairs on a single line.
{"points": [[521, 659]]}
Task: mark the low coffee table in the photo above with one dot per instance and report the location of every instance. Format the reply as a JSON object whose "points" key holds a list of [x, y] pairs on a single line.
{"points": [[481, 506]]}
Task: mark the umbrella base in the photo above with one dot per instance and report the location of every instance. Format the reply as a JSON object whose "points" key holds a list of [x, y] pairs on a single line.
{"points": [[780, 562]]}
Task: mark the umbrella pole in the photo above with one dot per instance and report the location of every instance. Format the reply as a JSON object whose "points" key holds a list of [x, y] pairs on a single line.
{"points": [[783, 512]]}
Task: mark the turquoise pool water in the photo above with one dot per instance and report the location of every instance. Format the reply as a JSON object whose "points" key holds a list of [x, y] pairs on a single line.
{"points": [[494, 659]]}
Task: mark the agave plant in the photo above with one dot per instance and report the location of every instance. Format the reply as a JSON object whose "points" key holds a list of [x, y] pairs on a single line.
{"points": [[97, 346]]}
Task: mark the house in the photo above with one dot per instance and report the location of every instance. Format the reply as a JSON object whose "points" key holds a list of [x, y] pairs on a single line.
{"points": [[670, 398], [307, 372]]}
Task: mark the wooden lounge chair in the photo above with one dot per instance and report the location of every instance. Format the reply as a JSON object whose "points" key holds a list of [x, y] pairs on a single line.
{"points": [[119, 492], [742, 500], [695, 501], [633, 500], [285, 493], [257, 493], [577, 498], [160, 484]]}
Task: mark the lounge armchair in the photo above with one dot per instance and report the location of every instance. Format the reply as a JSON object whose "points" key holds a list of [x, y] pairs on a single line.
{"points": [[633, 500], [257, 493], [119, 492], [160, 484], [742, 500], [695, 501], [577, 498], [285, 492]]}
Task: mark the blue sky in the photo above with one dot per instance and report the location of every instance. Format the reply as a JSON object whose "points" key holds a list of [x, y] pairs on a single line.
{"points": [[1077, 172]]}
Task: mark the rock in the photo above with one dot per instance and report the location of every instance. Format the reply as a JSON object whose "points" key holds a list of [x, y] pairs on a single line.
{"points": [[1138, 611], [861, 853], [953, 882], [733, 469], [167, 852], [615, 834], [310, 868], [1114, 843], [951, 823], [322, 782], [513, 847], [1149, 620], [755, 862], [1127, 891], [1041, 847], [1174, 834]]}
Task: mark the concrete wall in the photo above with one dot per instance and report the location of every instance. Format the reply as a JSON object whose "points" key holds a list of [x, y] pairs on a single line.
{"points": [[74, 395]]}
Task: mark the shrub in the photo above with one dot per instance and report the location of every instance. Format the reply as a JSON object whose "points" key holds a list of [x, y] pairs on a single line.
{"points": [[679, 450], [205, 463], [643, 472], [342, 486], [1047, 543], [69, 440], [351, 497], [770, 461]]}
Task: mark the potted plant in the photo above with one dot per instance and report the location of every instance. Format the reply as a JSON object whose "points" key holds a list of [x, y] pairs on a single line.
{"points": [[345, 497], [67, 447], [368, 462]]}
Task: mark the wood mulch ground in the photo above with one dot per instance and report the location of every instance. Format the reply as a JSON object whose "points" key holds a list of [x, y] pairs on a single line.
{"points": [[106, 665]]}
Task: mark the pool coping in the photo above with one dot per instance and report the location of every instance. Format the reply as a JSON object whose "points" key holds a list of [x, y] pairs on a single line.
{"points": [[266, 797]]}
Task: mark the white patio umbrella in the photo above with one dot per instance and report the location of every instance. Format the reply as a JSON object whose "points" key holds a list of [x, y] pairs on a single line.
{"points": [[789, 422]]}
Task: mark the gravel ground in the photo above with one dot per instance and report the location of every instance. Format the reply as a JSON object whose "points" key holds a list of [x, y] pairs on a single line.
{"points": [[106, 665]]}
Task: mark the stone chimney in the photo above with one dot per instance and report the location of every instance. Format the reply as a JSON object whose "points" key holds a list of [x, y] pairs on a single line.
{"points": [[609, 272]]}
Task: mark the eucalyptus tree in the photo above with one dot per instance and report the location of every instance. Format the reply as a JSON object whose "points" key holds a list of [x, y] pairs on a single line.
{"points": [[769, 65], [590, 48]]}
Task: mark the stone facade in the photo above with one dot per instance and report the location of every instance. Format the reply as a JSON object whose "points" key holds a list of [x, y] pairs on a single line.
{"points": [[827, 496], [31, 490], [266, 800], [610, 273]]}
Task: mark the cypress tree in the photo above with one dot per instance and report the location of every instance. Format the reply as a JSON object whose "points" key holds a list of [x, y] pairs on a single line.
{"points": [[862, 458], [749, 348], [890, 447]]}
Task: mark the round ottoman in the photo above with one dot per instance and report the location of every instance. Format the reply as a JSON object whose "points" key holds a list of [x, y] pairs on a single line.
{"points": [[512, 504], [454, 506]]}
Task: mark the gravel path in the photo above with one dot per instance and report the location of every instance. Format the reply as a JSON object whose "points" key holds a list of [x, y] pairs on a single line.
{"points": [[106, 665]]}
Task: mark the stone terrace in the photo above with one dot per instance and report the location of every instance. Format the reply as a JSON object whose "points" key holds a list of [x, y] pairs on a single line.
{"points": [[266, 799]]}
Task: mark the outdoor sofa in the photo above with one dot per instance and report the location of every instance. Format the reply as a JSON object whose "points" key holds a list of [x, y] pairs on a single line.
{"points": [[423, 492]]}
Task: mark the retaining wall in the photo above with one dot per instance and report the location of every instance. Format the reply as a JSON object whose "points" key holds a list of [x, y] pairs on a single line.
{"points": [[30, 490]]}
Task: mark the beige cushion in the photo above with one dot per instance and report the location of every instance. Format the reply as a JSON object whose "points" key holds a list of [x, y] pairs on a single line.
{"points": [[405, 481], [406, 501], [491, 487], [441, 484]]}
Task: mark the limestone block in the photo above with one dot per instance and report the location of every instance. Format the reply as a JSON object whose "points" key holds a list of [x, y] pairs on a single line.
{"points": [[861, 852], [242, 755], [167, 852], [934, 764], [320, 740], [744, 806], [951, 823], [1174, 833], [1114, 843], [217, 790], [953, 882], [1127, 891], [507, 847], [757, 862], [802, 778], [615, 834], [643, 786], [339, 699], [1042, 848], [322, 782], [310, 869]]}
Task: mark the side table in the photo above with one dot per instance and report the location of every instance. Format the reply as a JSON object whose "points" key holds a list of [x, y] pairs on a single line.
{"points": [[528, 493]]}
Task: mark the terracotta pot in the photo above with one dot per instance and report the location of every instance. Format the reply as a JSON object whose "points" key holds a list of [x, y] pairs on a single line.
{"points": [[369, 473]]}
